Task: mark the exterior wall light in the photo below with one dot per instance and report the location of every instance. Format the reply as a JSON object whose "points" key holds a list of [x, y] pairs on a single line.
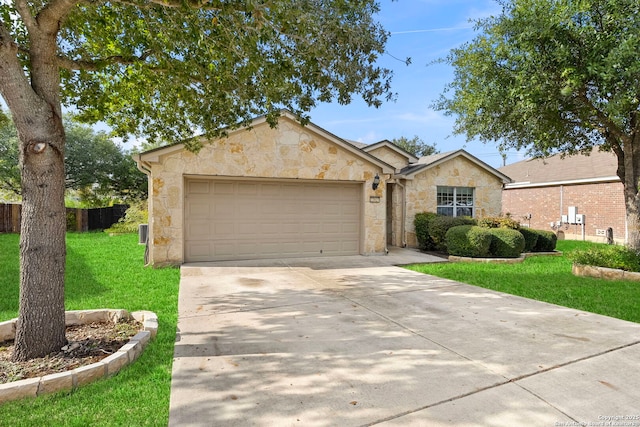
{"points": [[376, 182]]}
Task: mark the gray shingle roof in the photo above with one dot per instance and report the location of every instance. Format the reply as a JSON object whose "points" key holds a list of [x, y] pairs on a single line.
{"points": [[597, 166]]}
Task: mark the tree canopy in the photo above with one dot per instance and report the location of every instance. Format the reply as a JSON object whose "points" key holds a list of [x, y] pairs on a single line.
{"points": [[555, 76], [162, 69], [415, 146], [96, 168], [167, 69]]}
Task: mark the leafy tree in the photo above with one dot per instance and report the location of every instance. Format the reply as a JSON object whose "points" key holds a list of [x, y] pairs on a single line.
{"points": [[415, 146], [98, 168], [161, 69], [555, 76], [9, 170], [95, 166]]}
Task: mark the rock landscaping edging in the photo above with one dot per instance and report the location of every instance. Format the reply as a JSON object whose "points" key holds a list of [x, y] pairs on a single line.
{"points": [[521, 258], [604, 273], [33, 387]]}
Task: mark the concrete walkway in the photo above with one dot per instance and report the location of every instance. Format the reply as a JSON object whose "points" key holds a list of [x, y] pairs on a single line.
{"points": [[354, 341]]}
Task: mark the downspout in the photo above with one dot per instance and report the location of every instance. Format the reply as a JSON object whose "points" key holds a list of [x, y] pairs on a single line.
{"points": [[147, 171], [404, 215], [140, 166]]}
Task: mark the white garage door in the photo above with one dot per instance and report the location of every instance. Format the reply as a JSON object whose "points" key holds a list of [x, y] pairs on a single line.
{"points": [[227, 220]]}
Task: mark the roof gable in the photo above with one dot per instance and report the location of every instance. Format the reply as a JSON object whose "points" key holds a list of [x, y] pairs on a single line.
{"points": [[391, 146], [428, 162], [155, 154]]}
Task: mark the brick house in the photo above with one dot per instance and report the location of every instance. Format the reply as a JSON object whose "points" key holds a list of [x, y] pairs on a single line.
{"points": [[545, 191]]}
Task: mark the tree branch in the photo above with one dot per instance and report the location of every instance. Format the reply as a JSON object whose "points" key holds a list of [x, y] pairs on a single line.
{"points": [[608, 124], [51, 16], [175, 4], [25, 13], [98, 64]]}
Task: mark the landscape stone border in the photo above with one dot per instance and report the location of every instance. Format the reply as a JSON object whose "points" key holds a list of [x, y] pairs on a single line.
{"points": [[127, 354], [604, 273], [521, 258]]}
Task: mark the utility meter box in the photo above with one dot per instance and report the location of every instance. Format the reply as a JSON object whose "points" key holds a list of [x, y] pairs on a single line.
{"points": [[579, 219], [573, 211]]}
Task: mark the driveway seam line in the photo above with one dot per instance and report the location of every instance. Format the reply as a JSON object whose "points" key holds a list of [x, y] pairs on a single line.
{"points": [[500, 384]]}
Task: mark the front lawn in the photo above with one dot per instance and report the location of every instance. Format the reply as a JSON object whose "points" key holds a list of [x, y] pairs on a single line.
{"points": [[548, 278], [103, 272]]}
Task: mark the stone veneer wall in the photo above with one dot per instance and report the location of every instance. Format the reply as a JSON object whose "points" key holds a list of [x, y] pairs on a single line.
{"points": [[457, 172], [390, 156], [289, 151]]}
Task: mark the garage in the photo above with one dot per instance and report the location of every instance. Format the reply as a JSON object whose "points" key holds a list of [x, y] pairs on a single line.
{"points": [[233, 219]]}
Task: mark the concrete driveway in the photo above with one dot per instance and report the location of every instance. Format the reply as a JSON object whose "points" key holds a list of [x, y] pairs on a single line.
{"points": [[354, 341]]}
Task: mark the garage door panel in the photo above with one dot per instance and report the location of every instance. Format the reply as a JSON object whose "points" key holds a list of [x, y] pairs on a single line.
{"points": [[227, 220], [198, 187], [199, 210]]}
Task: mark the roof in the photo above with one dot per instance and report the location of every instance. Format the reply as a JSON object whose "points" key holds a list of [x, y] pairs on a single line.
{"points": [[154, 154], [427, 162], [599, 166], [386, 143]]}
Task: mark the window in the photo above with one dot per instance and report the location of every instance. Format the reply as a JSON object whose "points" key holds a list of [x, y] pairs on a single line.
{"points": [[455, 201]]}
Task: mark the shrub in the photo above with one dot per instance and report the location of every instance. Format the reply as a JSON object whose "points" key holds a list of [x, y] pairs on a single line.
{"points": [[546, 241], [135, 215], [421, 223], [618, 257], [439, 226], [530, 239], [506, 243], [499, 222], [468, 240]]}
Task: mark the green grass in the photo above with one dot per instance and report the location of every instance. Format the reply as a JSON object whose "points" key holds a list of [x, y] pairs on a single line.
{"points": [[549, 279], [103, 272]]}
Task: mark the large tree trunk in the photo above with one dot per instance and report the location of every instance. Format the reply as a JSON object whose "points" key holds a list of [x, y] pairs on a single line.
{"points": [[34, 102], [41, 322], [629, 173]]}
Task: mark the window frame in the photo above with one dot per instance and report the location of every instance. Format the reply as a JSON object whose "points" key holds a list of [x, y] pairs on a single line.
{"points": [[455, 199]]}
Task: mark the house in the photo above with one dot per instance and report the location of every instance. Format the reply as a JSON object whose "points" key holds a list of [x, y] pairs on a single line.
{"points": [[571, 195], [298, 191]]}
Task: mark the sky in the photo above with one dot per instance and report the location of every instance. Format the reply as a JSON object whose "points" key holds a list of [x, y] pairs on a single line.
{"points": [[424, 30]]}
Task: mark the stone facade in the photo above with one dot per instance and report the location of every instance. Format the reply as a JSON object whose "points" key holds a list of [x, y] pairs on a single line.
{"points": [[310, 154], [289, 151], [421, 191], [390, 156]]}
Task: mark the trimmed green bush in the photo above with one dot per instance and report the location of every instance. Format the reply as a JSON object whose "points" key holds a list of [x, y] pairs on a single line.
{"points": [[506, 243], [421, 222], [499, 222], [468, 241], [439, 226], [546, 241], [530, 238], [618, 257]]}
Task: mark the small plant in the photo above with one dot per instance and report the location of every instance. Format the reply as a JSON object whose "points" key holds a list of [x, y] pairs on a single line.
{"points": [[618, 257], [136, 214], [530, 238], [421, 223], [439, 226], [499, 222], [506, 243], [468, 241], [546, 241]]}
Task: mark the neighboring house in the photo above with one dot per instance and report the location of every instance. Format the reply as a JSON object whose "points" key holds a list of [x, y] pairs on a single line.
{"points": [[297, 191], [547, 193]]}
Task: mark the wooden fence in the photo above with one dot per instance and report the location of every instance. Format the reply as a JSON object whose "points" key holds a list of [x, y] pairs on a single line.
{"points": [[77, 219]]}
